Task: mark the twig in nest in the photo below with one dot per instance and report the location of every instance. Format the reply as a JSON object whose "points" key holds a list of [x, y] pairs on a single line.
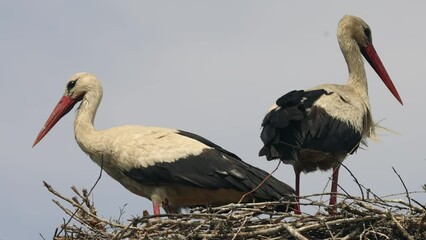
{"points": [[239, 229], [261, 183], [99, 177], [421, 225], [355, 179], [403, 184], [75, 212], [294, 232], [399, 226]]}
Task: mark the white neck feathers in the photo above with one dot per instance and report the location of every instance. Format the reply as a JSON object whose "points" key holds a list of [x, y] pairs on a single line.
{"points": [[83, 125], [357, 79]]}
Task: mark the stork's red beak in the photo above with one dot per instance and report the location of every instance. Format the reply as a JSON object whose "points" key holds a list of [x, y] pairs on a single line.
{"points": [[370, 54], [63, 107]]}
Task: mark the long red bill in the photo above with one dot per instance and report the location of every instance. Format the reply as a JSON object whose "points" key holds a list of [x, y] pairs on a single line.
{"points": [[371, 55], [63, 107]]}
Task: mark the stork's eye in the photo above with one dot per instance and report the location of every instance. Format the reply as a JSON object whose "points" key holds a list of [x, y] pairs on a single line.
{"points": [[367, 33], [71, 84]]}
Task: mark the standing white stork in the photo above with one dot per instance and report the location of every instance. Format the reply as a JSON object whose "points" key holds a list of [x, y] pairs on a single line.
{"points": [[317, 128], [175, 169]]}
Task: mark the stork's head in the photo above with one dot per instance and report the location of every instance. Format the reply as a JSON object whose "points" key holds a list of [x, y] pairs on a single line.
{"points": [[354, 29], [77, 87], [79, 84]]}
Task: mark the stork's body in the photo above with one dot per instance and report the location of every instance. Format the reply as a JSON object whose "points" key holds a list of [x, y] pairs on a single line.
{"points": [[175, 169], [317, 128]]}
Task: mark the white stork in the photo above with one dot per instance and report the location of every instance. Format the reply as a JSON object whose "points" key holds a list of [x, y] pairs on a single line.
{"points": [[317, 128], [174, 169]]}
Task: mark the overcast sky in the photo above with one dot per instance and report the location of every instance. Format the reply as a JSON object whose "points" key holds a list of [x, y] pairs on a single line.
{"points": [[209, 67]]}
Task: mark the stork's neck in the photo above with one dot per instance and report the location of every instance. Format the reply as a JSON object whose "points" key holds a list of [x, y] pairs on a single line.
{"points": [[357, 77], [83, 125]]}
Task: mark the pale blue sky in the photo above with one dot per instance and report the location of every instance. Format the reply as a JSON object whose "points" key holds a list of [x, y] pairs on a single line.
{"points": [[209, 67]]}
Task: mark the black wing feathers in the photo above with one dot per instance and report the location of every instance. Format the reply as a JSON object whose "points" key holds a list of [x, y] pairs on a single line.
{"points": [[212, 169], [328, 134], [297, 124], [208, 143], [281, 126]]}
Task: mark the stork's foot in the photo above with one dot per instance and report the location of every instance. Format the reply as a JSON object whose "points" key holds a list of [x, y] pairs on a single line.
{"points": [[332, 210], [156, 208], [332, 207], [297, 207]]}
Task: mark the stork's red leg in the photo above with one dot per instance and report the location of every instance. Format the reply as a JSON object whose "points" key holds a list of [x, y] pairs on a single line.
{"points": [[333, 196], [156, 208], [297, 206]]}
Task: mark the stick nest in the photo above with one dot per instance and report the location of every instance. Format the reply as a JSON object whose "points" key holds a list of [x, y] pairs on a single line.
{"points": [[356, 218]]}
